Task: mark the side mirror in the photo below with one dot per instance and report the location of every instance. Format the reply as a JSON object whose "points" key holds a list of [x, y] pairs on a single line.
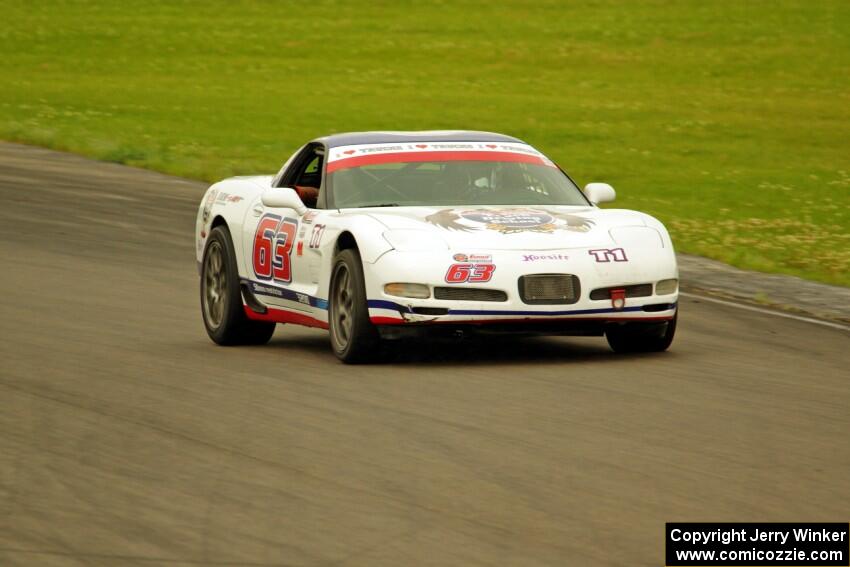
{"points": [[283, 198], [599, 193]]}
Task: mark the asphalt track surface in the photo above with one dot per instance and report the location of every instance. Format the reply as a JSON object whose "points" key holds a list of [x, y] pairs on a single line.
{"points": [[128, 438]]}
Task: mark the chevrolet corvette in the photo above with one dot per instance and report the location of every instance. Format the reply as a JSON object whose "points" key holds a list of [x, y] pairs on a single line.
{"points": [[382, 235]]}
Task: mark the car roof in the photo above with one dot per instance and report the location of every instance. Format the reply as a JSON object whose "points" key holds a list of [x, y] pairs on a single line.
{"points": [[354, 138]]}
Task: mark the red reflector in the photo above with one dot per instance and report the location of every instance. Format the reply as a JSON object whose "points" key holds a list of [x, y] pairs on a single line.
{"points": [[618, 298]]}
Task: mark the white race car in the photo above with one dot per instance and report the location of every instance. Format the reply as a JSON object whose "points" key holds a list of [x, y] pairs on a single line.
{"points": [[382, 235]]}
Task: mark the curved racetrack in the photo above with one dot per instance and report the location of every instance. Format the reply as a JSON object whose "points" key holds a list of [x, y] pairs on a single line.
{"points": [[128, 438]]}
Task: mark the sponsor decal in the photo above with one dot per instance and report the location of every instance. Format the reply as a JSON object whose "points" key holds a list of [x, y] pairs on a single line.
{"points": [[380, 149], [542, 257], [265, 290], [288, 294], [473, 258], [225, 198], [509, 221], [369, 154], [299, 248], [609, 254], [448, 146], [208, 204], [343, 152]]}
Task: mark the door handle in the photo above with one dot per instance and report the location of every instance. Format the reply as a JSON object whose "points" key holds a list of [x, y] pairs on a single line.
{"points": [[258, 210]]}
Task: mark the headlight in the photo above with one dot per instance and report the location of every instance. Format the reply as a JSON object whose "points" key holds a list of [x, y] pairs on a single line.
{"points": [[666, 287], [412, 240], [637, 237], [416, 290]]}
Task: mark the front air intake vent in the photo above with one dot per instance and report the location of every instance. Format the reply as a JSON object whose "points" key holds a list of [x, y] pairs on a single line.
{"points": [[549, 289], [469, 294], [639, 290]]}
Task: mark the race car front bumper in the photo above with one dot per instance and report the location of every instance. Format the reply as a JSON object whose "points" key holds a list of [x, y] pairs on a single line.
{"points": [[610, 289]]}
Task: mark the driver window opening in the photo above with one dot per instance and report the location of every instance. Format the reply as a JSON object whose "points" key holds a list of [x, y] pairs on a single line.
{"points": [[309, 179]]}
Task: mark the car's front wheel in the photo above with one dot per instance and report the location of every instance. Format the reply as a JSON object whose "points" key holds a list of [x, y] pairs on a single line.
{"points": [[642, 337], [353, 337], [221, 301]]}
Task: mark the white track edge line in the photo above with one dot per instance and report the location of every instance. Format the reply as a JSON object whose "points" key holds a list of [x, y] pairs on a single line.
{"points": [[746, 307]]}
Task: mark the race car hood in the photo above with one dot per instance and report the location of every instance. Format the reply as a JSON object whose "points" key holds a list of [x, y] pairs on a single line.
{"points": [[513, 228]]}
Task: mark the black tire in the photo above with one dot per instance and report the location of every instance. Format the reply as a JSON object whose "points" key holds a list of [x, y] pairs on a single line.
{"points": [[353, 337], [221, 299], [642, 337]]}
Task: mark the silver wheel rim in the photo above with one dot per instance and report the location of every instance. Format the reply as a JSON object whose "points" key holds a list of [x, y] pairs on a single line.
{"points": [[215, 285], [342, 306]]}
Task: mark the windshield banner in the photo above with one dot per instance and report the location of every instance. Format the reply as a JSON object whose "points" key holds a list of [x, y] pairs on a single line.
{"points": [[359, 155]]}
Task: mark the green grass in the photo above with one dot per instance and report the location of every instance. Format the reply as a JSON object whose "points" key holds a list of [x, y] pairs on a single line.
{"points": [[730, 121]]}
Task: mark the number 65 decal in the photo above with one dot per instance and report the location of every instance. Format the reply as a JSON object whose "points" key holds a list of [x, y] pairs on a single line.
{"points": [[272, 248]]}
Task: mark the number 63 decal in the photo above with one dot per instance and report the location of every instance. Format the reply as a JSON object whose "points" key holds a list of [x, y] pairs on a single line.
{"points": [[474, 273], [273, 247]]}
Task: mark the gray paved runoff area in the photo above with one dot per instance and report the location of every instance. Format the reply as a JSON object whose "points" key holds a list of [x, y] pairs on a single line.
{"points": [[785, 293], [128, 438]]}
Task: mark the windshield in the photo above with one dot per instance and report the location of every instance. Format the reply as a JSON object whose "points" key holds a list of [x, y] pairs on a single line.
{"points": [[428, 175]]}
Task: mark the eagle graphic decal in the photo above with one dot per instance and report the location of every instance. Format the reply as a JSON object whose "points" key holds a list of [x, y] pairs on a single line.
{"points": [[509, 221]]}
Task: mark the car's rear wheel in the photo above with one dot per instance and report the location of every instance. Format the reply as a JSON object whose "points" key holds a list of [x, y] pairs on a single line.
{"points": [[642, 337], [221, 301], [353, 337]]}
